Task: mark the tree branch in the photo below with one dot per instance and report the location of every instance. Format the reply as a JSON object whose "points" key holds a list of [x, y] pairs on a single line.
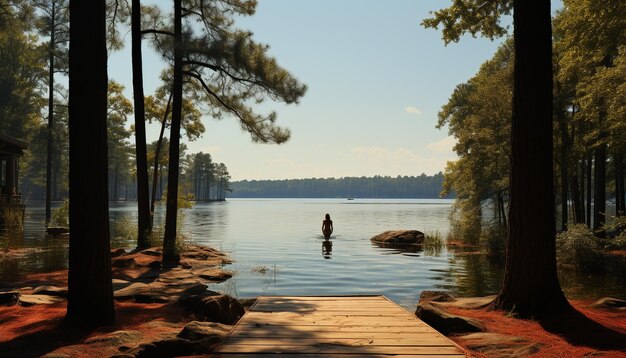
{"points": [[157, 32], [250, 128], [217, 68], [213, 94]]}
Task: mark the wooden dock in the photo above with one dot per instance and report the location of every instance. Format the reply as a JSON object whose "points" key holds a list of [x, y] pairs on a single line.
{"points": [[333, 326]]}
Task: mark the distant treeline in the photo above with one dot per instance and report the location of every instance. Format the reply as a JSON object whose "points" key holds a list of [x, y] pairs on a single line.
{"points": [[419, 187]]}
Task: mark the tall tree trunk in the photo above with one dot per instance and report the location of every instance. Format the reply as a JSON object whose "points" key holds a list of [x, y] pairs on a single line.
{"points": [[56, 164], [583, 168], [620, 200], [90, 292], [599, 198], [564, 150], [157, 158], [170, 254], [502, 210], [578, 207], [144, 223], [161, 169], [589, 188], [207, 187], [531, 286], [50, 112], [116, 182]]}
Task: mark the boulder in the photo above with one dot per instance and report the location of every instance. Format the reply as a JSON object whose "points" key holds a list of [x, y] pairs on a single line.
{"points": [[499, 345], [445, 322], [117, 252], [158, 292], [130, 291], [123, 262], [212, 306], [116, 338], [468, 303], [399, 237], [151, 252], [186, 265], [610, 303], [31, 300], [165, 348], [436, 296], [56, 355], [197, 331], [194, 289], [142, 293], [9, 298], [214, 274], [119, 284], [51, 291]]}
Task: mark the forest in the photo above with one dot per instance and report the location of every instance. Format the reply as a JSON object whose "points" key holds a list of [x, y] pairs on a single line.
{"points": [[589, 126], [55, 95], [418, 187], [35, 109]]}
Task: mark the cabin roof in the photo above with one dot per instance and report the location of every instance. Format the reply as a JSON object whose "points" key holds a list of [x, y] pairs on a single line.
{"points": [[10, 146]]}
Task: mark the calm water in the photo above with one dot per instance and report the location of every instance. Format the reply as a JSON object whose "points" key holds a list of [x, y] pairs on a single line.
{"points": [[277, 248]]}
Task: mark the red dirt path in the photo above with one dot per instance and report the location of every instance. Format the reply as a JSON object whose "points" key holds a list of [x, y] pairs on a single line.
{"points": [[592, 332]]}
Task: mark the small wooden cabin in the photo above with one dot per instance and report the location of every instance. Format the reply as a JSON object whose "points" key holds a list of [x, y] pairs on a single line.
{"points": [[11, 206]]}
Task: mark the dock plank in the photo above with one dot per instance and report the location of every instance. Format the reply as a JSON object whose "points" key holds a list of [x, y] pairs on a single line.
{"points": [[341, 326]]}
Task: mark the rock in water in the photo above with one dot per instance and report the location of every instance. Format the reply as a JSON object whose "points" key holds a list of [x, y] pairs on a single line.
{"points": [[399, 237]]}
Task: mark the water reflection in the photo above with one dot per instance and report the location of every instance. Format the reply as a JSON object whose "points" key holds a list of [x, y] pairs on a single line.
{"points": [[398, 248], [327, 248], [283, 236], [18, 260], [475, 274]]}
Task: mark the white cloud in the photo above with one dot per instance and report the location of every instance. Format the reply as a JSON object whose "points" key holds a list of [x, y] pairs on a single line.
{"points": [[413, 110], [444, 145], [403, 161]]}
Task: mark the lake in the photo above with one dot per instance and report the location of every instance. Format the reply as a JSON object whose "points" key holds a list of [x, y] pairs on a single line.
{"points": [[277, 248]]}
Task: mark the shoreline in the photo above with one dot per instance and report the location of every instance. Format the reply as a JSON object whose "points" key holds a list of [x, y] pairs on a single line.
{"points": [[154, 307]]}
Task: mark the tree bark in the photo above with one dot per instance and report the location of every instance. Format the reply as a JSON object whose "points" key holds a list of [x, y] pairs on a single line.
{"points": [[578, 207], [589, 188], [531, 287], [116, 182], [583, 168], [564, 150], [157, 158], [170, 254], [620, 196], [90, 293], [144, 223], [599, 198], [502, 210], [50, 113]]}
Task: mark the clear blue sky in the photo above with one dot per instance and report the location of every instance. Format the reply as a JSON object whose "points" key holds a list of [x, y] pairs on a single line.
{"points": [[376, 81]]}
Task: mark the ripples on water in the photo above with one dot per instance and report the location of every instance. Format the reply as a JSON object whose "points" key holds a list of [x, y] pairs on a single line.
{"points": [[277, 247]]}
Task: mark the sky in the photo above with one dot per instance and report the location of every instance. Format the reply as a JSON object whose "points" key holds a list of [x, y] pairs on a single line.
{"points": [[376, 81]]}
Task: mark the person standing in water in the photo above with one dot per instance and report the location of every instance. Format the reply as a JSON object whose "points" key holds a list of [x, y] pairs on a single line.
{"points": [[327, 227]]}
